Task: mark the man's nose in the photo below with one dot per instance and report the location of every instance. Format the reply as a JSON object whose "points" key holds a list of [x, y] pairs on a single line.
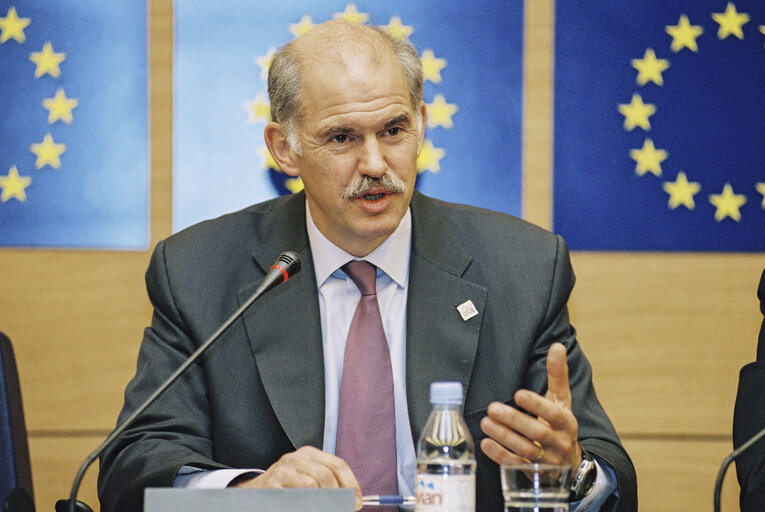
{"points": [[372, 158]]}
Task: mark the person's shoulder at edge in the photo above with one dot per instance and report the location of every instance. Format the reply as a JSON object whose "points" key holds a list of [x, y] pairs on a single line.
{"points": [[474, 225], [244, 217]]}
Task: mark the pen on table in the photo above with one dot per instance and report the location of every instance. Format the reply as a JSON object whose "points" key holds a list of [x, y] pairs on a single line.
{"points": [[389, 499]]}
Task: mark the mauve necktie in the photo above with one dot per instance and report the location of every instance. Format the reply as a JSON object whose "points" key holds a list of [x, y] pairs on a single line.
{"points": [[366, 420]]}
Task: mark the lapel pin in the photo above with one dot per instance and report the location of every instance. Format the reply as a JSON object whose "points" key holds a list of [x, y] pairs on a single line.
{"points": [[467, 310]]}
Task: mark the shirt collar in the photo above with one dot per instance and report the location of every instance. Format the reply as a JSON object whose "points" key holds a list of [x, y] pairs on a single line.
{"points": [[391, 256]]}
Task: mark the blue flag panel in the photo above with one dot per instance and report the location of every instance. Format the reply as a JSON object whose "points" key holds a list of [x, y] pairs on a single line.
{"points": [[472, 55], [659, 125], [74, 166]]}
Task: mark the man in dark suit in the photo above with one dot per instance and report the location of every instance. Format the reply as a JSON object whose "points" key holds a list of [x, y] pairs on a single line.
{"points": [[485, 304], [748, 419]]}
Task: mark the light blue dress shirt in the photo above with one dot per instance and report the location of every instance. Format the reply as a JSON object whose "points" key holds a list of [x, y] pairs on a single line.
{"points": [[338, 297]]}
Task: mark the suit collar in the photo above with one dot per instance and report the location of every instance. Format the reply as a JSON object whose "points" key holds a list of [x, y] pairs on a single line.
{"points": [[432, 239], [281, 227]]}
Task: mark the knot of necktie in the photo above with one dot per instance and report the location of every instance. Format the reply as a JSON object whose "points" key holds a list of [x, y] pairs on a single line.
{"points": [[363, 275]]}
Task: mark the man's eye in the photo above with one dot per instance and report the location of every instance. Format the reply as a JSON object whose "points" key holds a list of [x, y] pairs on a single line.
{"points": [[394, 131], [340, 138]]}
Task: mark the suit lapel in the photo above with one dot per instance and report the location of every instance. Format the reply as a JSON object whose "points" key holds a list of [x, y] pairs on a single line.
{"points": [[440, 344], [284, 329]]}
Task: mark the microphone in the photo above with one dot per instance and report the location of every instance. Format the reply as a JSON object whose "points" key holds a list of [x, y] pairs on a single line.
{"points": [[727, 461], [286, 266]]}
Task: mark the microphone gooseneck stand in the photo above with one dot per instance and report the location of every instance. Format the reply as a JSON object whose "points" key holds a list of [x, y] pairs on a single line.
{"points": [[287, 265], [727, 461]]}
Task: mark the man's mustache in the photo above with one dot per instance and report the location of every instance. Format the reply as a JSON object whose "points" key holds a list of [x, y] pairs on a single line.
{"points": [[365, 184]]}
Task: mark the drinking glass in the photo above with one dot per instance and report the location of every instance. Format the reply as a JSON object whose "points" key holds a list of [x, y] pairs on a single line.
{"points": [[535, 487]]}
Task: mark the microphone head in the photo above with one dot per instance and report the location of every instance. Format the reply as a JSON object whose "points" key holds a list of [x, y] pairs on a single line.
{"points": [[290, 262]]}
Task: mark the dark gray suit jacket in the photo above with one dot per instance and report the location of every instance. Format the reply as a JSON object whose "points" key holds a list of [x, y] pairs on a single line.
{"points": [[748, 419], [258, 393]]}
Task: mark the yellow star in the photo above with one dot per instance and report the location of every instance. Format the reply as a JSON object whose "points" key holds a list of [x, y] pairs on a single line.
{"points": [[432, 66], [430, 157], [294, 185], [761, 190], [48, 152], [684, 34], [298, 29], [13, 186], [47, 61], [397, 29], [648, 158], [352, 15], [730, 22], [264, 62], [762, 29], [727, 204], [440, 113], [636, 113], [259, 110], [12, 27], [60, 107], [650, 68], [681, 192]]}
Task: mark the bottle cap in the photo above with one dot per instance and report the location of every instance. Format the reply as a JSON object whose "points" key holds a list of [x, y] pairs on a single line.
{"points": [[446, 393]]}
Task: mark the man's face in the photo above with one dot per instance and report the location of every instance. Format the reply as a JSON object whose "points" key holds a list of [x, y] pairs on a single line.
{"points": [[358, 124]]}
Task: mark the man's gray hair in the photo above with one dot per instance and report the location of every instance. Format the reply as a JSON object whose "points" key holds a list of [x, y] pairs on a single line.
{"points": [[284, 83]]}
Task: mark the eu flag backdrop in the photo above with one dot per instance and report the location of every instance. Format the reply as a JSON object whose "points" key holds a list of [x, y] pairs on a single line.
{"points": [[472, 55], [660, 125], [74, 166]]}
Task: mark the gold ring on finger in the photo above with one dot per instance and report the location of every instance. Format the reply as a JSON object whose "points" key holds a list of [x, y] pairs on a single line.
{"points": [[541, 452]]}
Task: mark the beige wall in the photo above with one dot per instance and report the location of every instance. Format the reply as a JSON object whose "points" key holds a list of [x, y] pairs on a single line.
{"points": [[666, 333]]}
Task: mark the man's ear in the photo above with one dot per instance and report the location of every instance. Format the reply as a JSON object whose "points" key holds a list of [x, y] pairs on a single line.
{"points": [[423, 124], [279, 147]]}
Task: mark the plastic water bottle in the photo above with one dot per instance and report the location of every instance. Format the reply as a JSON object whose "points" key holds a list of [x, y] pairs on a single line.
{"points": [[445, 474]]}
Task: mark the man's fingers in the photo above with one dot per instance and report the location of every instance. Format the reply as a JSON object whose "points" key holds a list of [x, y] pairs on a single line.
{"points": [[557, 376], [503, 420], [339, 471], [498, 453], [548, 412], [549, 432], [309, 467], [525, 436], [516, 447]]}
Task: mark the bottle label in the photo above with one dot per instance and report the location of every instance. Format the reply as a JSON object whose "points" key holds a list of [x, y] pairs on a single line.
{"points": [[445, 493]]}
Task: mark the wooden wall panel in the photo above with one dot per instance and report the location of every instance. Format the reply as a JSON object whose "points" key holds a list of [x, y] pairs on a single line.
{"points": [[666, 333], [73, 318], [680, 474], [538, 112], [161, 117], [55, 461]]}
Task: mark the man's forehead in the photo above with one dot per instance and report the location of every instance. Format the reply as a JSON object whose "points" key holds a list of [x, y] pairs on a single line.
{"points": [[353, 80]]}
